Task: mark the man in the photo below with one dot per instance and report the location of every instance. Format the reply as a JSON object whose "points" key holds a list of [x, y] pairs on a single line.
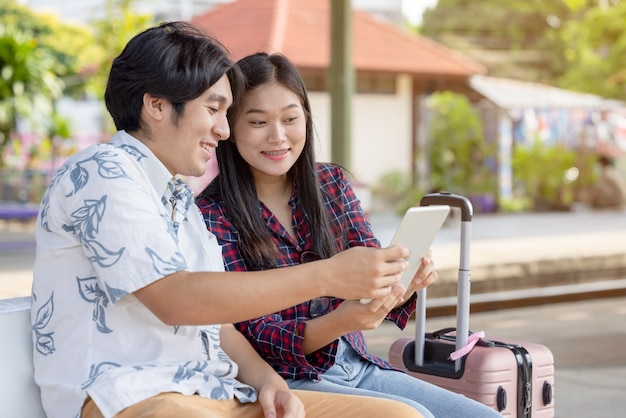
{"points": [[129, 288]]}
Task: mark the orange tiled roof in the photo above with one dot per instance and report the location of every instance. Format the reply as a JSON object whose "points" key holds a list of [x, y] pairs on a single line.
{"points": [[300, 29]]}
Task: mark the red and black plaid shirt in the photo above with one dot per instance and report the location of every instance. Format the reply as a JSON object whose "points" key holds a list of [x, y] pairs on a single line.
{"points": [[279, 337]]}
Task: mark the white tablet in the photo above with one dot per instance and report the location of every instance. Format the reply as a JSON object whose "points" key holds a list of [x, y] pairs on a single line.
{"points": [[417, 231]]}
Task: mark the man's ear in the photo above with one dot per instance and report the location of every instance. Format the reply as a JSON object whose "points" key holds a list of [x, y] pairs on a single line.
{"points": [[154, 106]]}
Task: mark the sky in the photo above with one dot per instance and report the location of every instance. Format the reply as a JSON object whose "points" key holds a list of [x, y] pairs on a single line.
{"points": [[413, 9]]}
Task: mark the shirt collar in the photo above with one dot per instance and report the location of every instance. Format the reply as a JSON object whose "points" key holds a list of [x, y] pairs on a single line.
{"points": [[158, 175]]}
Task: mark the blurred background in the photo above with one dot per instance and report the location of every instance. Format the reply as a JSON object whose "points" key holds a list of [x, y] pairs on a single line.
{"points": [[518, 105], [508, 102]]}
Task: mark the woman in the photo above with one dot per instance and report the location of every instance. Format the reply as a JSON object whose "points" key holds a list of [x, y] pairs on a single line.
{"points": [[272, 206]]}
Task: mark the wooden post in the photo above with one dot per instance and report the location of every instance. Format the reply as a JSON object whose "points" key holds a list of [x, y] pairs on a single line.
{"points": [[341, 81]]}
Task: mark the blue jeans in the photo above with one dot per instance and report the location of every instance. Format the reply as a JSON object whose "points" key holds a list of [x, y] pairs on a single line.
{"points": [[351, 375]]}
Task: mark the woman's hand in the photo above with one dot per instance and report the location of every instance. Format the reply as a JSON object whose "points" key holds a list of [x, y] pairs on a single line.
{"points": [[367, 316], [350, 315], [425, 276]]}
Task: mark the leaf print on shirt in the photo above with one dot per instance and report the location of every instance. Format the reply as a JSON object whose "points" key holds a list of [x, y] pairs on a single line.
{"points": [[189, 369], [45, 202], [134, 151], [169, 223], [87, 224], [108, 168], [91, 292], [220, 392], [44, 343], [88, 217], [101, 255], [211, 341], [167, 267], [115, 294], [97, 370]]}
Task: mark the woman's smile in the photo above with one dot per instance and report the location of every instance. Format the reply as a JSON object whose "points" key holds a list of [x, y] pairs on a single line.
{"points": [[276, 155]]}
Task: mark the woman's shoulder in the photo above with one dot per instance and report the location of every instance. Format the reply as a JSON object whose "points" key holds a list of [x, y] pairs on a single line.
{"points": [[210, 200], [330, 170], [333, 182]]}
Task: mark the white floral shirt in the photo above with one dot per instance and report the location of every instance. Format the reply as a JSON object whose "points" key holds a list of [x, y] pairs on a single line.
{"points": [[107, 228]]}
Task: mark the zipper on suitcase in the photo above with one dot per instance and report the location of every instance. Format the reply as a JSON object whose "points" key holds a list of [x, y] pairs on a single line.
{"points": [[524, 378]]}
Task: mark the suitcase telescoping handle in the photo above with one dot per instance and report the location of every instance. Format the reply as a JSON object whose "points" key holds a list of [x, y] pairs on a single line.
{"points": [[463, 285]]}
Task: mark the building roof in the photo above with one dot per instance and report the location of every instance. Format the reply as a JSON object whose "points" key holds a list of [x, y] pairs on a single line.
{"points": [[515, 94], [300, 29]]}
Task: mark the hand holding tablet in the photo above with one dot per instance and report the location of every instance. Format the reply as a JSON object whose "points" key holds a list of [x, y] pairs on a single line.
{"points": [[417, 231]]}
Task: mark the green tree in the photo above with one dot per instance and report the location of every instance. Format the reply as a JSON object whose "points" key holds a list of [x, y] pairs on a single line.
{"points": [[513, 38], [459, 155], [540, 174], [28, 84], [72, 46], [42, 59], [117, 26], [596, 46]]}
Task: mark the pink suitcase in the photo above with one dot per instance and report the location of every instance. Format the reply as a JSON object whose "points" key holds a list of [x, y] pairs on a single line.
{"points": [[513, 377]]}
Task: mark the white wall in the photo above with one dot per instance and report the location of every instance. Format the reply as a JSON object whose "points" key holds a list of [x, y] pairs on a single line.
{"points": [[381, 131]]}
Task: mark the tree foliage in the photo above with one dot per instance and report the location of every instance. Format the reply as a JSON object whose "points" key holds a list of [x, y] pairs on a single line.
{"points": [[42, 58], [28, 84], [512, 37], [574, 44], [541, 174], [596, 47], [116, 27], [72, 46], [459, 155]]}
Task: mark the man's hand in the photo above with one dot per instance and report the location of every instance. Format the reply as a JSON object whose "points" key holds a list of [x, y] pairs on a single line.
{"points": [[365, 272], [279, 402], [275, 397]]}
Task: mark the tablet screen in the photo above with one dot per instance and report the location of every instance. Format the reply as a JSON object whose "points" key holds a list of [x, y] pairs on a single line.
{"points": [[417, 231]]}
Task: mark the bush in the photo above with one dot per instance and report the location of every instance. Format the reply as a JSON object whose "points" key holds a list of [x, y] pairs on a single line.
{"points": [[543, 174], [396, 191], [460, 157]]}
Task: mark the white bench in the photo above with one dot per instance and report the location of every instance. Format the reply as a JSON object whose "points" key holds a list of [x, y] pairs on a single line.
{"points": [[19, 395]]}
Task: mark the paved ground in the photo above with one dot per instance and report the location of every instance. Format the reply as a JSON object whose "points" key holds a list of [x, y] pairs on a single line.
{"points": [[587, 339], [533, 250]]}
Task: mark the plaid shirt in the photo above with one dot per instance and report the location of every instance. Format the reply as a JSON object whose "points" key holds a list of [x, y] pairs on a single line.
{"points": [[279, 337]]}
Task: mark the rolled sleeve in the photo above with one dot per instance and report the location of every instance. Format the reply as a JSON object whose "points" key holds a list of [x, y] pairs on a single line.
{"points": [[401, 315], [280, 342]]}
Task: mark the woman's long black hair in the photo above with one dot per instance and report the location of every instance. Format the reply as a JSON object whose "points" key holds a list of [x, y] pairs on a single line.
{"points": [[235, 182]]}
